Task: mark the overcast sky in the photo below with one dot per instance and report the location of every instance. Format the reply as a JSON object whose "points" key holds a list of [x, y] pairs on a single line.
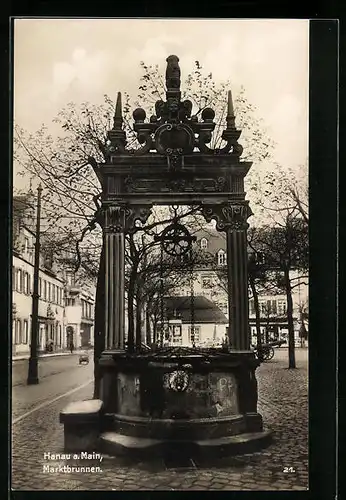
{"points": [[62, 60]]}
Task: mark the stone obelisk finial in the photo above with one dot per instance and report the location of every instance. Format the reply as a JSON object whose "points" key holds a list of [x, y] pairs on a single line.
{"points": [[117, 136], [118, 115], [230, 111]]}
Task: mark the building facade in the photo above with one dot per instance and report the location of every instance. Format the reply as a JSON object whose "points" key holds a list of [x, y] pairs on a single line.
{"points": [[273, 313], [61, 306], [51, 335], [79, 317]]}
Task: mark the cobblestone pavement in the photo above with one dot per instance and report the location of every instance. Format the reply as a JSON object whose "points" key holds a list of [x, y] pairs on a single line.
{"points": [[283, 404]]}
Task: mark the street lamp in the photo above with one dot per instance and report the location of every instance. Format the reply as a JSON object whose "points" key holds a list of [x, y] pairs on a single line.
{"points": [[32, 370]]}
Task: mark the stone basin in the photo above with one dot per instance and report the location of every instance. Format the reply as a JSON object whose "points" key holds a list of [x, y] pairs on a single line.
{"points": [[198, 399]]}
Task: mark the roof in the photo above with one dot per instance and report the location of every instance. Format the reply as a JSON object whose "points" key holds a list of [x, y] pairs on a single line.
{"points": [[216, 240], [205, 311]]}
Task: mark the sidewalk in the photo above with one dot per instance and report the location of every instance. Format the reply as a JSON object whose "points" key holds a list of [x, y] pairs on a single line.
{"points": [[20, 357]]}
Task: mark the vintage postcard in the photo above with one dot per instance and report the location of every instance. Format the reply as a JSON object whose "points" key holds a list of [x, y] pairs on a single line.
{"points": [[160, 254]]}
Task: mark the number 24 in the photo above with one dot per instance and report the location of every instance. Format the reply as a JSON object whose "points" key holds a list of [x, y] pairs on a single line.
{"points": [[289, 469]]}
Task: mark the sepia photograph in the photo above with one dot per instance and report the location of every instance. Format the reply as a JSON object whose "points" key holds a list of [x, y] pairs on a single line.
{"points": [[160, 254]]}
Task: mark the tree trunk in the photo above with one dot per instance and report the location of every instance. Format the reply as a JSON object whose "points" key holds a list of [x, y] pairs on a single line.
{"points": [[291, 351], [155, 329], [148, 327], [99, 329], [258, 317], [138, 323], [130, 312]]}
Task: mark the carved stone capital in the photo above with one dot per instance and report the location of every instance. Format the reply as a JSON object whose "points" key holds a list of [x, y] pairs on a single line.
{"points": [[114, 219], [122, 218], [228, 216]]}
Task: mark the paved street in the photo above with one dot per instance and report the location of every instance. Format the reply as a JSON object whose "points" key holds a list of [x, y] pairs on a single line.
{"points": [[282, 402]]}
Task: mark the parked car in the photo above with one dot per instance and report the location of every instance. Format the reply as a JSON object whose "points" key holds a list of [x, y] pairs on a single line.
{"points": [[84, 358]]}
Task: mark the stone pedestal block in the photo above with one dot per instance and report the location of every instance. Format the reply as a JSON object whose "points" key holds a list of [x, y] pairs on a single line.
{"points": [[82, 425]]}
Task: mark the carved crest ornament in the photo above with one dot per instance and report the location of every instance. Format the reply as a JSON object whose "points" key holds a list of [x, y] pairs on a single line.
{"points": [[173, 158], [172, 131]]}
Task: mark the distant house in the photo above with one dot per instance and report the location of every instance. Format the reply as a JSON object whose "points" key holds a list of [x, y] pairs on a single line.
{"points": [[79, 317], [273, 306], [185, 324]]}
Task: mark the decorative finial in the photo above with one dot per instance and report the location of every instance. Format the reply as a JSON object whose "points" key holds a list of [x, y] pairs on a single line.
{"points": [[173, 73], [118, 118], [230, 111], [116, 136]]}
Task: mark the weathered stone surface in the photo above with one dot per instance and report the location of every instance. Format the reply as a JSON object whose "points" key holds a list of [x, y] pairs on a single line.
{"points": [[91, 407]]}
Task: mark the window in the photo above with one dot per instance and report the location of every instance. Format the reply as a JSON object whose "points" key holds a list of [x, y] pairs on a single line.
{"points": [[13, 278], [204, 243], [59, 335], [25, 332], [272, 306], [252, 306], [19, 280], [26, 245], [194, 334], [207, 282], [221, 258], [26, 283], [53, 293], [49, 294], [18, 339], [263, 308], [44, 290], [40, 286], [282, 307]]}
